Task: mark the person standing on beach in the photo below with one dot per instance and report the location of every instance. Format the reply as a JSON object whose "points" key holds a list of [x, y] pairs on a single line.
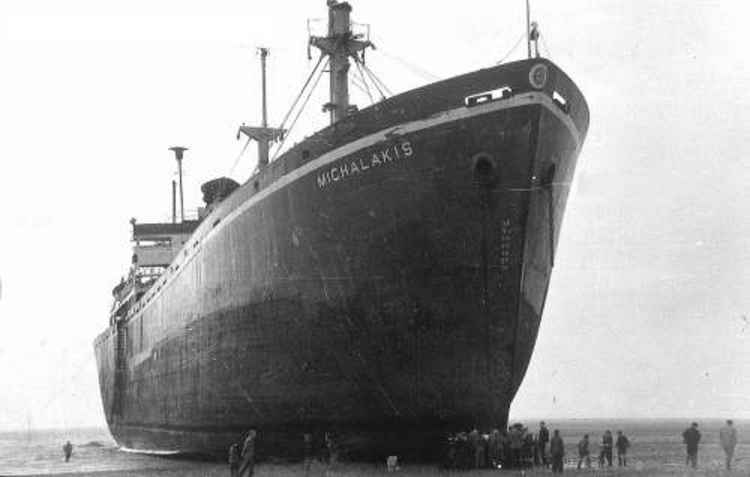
{"points": [[234, 460], [475, 439], [622, 443], [333, 450], [248, 455], [308, 450], [542, 440], [516, 444], [584, 455], [67, 450], [692, 437], [728, 439], [557, 451], [606, 452]]}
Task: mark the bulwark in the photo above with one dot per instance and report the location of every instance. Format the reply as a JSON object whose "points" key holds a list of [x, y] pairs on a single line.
{"points": [[357, 166]]}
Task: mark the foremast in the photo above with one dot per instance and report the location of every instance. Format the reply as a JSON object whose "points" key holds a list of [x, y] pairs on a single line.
{"points": [[263, 135], [339, 46]]}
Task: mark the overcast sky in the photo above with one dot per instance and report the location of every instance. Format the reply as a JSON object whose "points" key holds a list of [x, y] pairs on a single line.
{"points": [[647, 314]]}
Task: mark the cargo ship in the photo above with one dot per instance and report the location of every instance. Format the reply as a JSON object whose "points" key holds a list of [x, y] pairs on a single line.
{"points": [[382, 280]]}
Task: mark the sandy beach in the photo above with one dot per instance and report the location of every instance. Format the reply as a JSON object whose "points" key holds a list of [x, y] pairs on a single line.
{"points": [[365, 470], [657, 450]]}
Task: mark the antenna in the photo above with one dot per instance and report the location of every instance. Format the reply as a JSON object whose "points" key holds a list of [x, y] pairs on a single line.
{"points": [[178, 152], [528, 28]]}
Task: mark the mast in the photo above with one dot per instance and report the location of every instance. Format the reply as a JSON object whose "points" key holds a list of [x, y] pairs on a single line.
{"points": [[263, 134], [339, 45], [263, 145], [178, 152]]}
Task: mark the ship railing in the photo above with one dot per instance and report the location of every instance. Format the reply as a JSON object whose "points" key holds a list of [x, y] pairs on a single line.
{"points": [[190, 215]]}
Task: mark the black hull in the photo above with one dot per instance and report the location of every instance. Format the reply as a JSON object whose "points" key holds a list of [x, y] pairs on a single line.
{"points": [[386, 284]]}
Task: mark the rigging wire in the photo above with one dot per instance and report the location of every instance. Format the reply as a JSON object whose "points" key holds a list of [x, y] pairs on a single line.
{"points": [[302, 91], [364, 81], [378, 85], [411, 66], [549, 53], [239, 156], [299, 112], [375, 77], [357, 83], [510, 52], [425, 74]]}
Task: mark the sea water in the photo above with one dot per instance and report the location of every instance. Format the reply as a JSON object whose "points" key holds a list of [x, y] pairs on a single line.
{"points": [[656, 449]]}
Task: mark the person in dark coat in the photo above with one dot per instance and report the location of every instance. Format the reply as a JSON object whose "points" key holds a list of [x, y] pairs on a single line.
{"points": [[692, 437], [247, 468], [606, 452], [67, 450], [557, 452], [622, 443], [477, 447], [234, 460], [308, 450], [584, 454], [332, 448], [542, 440], [495, 449], [516, 444]]}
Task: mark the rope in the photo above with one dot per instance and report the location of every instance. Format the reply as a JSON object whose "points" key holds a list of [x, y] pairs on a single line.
{"points": [[299, 112], [523, 35]]}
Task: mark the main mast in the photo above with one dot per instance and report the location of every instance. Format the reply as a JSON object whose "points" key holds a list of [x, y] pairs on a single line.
{"points": [[339, 45]]}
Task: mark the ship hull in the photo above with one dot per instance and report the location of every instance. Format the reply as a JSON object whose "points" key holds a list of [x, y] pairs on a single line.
{"points": [[389, 291]]}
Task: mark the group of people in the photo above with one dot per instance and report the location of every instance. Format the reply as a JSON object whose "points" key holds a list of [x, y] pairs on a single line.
{"points": [[242, 457], [622, 444], [515, 447], [727, 438], [242, 454]]}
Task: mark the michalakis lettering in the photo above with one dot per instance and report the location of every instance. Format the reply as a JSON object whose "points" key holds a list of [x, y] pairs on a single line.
{"points": [[360, 165]]}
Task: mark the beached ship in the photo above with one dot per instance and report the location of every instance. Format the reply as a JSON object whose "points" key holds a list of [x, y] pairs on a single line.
{"points": [[384, 279]]}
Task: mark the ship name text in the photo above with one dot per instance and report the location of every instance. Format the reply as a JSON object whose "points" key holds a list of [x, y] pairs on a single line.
{"points": [[360, 165]]}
